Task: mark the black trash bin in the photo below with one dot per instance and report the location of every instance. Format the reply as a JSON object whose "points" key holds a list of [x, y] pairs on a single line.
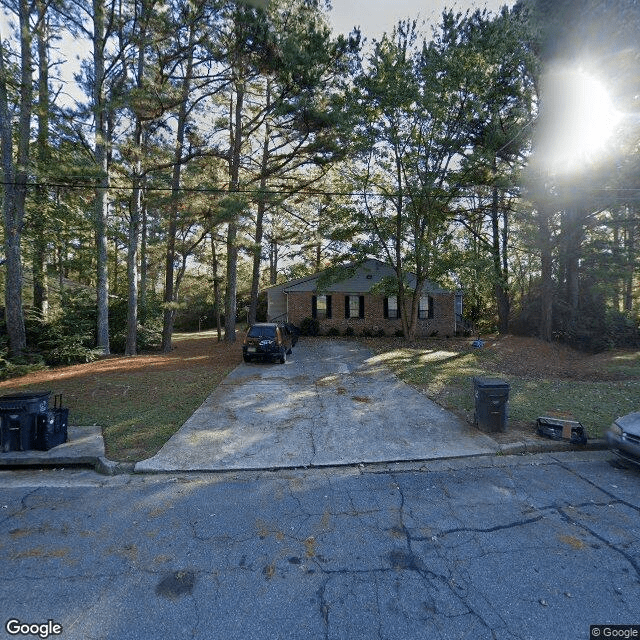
{"points": [[491, 396], [19, 414]]}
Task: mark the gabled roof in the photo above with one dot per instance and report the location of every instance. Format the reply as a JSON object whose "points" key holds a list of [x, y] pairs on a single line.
{"points": [[367, 274]]}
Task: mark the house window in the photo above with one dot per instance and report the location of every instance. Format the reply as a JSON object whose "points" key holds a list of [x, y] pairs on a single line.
{"points": [[354, 306], [391, 309], [425, 310], [321, 307]]}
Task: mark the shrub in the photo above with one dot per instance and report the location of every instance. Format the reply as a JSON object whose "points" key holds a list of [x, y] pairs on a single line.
{"points": [[70, 350], [310, 327], [69, 336], [367, 333], [349, 331], [333, 332], [381, 333], [399, 333], [149, 331], [17, 368]]}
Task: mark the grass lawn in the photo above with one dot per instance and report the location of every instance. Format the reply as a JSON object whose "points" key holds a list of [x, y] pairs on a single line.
{"points": [[544, 379], [139, 402]]}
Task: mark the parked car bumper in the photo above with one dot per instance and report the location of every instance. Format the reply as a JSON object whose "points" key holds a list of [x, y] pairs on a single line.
{"points": [[623, 445], [259, 353]]}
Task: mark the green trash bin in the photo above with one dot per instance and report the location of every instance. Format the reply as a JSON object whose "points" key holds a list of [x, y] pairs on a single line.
{"points": [[491, 396]]}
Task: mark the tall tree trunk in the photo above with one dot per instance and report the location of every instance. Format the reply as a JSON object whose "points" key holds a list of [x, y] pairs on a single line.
{"points": [[630, 258], [15, 179], [618, 279], [40, 285], [230, 307], [216, 288], [101, 159], [406, 316], [144, 266], [262, 205], [136, 204], [546, 294], [573, 245], [273, 261], [500, 275], [170, 290]]}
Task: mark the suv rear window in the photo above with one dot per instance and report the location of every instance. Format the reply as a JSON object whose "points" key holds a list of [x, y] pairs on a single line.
{"points": [[262, 332]]}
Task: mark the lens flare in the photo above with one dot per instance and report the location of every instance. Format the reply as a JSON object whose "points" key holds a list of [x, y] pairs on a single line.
{"points": [[579, 120]]}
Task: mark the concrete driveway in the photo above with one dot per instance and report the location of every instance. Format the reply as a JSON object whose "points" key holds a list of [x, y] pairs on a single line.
{"points": [[332, 403]]}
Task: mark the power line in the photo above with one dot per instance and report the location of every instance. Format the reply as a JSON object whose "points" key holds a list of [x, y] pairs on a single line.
{"points": [[269, 192]]}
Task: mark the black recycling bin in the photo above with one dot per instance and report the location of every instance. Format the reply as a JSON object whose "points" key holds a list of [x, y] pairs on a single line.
{"points": [[51, 429], [17, 419], [27, 422], [491, 396], [17, 431]]}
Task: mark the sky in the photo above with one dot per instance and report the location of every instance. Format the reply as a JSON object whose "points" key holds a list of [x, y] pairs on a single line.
{"points": [[377, 16]]}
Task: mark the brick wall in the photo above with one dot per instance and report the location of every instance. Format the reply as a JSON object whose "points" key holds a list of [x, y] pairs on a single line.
{"points": [[299, 307]]}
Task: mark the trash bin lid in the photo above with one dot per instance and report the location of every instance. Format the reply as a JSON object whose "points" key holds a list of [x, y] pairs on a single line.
{"points": [[34, 395], [29, 402], [490, 383]]}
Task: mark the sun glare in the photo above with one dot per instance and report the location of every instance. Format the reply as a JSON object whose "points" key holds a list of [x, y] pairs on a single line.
{"points": [[580, 117]]}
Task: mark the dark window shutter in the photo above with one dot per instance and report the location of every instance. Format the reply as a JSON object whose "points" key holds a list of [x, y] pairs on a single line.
{"points": [[361, 307], [346, 307], [386, 307], [314, 306], [430, 312], [328, 306]]}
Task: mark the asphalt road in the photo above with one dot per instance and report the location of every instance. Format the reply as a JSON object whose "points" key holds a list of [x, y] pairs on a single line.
{"points": [[537, 547]]}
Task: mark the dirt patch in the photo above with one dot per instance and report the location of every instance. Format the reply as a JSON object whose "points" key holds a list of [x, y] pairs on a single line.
{"points": [[534, 358], [193, 352]]}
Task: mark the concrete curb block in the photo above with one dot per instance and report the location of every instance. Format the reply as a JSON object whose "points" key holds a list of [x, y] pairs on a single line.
{"points": [[112, 468], [515, 448]]}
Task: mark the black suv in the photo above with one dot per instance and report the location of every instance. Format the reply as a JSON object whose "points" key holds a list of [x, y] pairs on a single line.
{"points": [[267, 341]]}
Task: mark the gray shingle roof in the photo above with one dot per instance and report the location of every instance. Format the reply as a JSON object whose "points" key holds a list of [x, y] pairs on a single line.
{"points": [[369, 273]]}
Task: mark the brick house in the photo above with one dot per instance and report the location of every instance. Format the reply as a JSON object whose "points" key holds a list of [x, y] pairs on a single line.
{"points": [[350, 303]]}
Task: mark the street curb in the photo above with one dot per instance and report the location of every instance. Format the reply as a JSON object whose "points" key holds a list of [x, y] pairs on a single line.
{"points": [[515, 448], [104, 466], [112, 468]]}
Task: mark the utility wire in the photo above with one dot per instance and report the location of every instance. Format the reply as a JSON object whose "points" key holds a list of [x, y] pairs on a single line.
{"points": [[283, 192]]}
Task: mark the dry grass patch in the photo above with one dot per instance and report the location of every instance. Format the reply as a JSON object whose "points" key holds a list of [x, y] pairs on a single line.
{"points": [[141, 401]]}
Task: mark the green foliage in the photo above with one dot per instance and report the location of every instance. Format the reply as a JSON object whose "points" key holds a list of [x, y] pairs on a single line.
{"points": [[593, 327], [367, 333], [310, 327], [349, 331], [69, 336], [69, 349], [16, 368], [149, 332], [598, 329], [333, 332]]}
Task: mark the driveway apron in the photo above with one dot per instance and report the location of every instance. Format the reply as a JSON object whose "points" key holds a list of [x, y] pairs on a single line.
{"points": [[331, 403]]}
